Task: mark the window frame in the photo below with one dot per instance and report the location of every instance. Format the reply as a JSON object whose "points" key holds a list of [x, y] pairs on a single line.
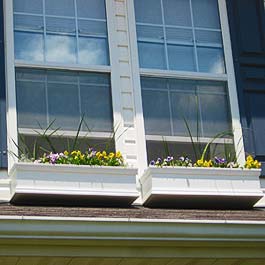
{"points": [[113, 70], [11, 64], [228, 77]]}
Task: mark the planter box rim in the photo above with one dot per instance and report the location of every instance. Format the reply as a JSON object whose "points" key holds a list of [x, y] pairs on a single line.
{"points": [[71, 168]]}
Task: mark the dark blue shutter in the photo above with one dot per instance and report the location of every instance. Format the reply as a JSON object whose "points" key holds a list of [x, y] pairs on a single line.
{"points": [[247, 27], [3, 137]]}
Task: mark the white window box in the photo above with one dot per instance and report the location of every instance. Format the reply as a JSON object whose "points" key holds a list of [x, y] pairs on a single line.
{"points": [[215, 188], [72, 184]]}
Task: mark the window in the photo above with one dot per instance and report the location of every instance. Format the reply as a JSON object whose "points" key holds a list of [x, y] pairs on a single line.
{"points": [[183, 74], [137, 65], [51, 38]]}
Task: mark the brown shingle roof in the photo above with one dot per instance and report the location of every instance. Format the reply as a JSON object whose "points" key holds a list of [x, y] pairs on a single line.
{"points": [[132, 212]]}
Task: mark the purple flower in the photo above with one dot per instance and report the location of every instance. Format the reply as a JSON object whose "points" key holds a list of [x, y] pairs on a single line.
{"points": [[219, 160], [169, 159], [152, 163], [159, 160], [182, 158], [53, 157]]}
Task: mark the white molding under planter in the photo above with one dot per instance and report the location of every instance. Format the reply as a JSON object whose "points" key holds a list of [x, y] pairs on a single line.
{"points": [[191, 187], [72, 185]]}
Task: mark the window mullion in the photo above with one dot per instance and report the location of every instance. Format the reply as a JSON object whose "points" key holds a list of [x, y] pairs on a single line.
{"points": [[44, 30], [164, 32], [76, 33], [194, 37]]}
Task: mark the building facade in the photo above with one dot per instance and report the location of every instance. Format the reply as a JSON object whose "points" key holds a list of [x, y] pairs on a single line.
{"points": [[136, 74]]}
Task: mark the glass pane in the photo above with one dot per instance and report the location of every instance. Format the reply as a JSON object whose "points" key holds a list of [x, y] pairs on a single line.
{"points": [[205, 13], [157, 149], [30, 74], [87, 27], [62, 76], [29, 46], [208, 37], [184, 106], [181, 58], [28, 6], [60, 49], [95, 78], [214, 114], [151, 55], [156, 112], [93, 51], [25, 22], [148, 11], [179, 35], [97, 107], [150, 33], [96, 9], [177, 12], [60, 7], [63, 106], [211, 60], [31, 104], [60, 25], [154, 83]]}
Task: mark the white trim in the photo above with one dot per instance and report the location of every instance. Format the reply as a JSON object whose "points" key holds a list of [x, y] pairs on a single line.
{"points": [[58, 66], [139, 119], [129, 220], [12, 135], [59, 133], [232, 87], [183, 75], [118, 123], [184, 139]]}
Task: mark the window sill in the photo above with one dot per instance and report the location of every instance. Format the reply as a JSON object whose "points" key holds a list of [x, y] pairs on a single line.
{"points": [[72, 185], [214, 188]]}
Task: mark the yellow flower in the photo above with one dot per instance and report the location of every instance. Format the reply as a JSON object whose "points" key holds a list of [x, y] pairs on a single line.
{"points": [[199, 162], [66, 153], [74, 153], [78, 153], [104, 153], [118, 154], [111, 155], [98, 154]]}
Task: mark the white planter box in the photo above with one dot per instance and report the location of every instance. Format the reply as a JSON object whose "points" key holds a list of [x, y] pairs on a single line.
{"points": [[72, 184], [215, 188]]}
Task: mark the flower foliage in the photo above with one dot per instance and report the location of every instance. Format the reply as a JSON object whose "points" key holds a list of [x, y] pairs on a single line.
{"points": [[217, 162], [90, 157], [170, 161], [251, 163]]}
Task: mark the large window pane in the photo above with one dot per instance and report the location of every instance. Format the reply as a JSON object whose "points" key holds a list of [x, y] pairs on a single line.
{"points": [[22, 22], [28, 6], [96, 9], [205, 13], [181, 58], [152, 55], [93, 51], [60, 7], [29, 46], [177, 12], [60, 49], [148, 11], [156, 112], [31, 104], [63, 105], [211, 60]]}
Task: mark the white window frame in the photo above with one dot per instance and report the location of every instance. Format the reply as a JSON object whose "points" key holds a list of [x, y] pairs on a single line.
{"points": [[229, 77], [11, 63]]}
